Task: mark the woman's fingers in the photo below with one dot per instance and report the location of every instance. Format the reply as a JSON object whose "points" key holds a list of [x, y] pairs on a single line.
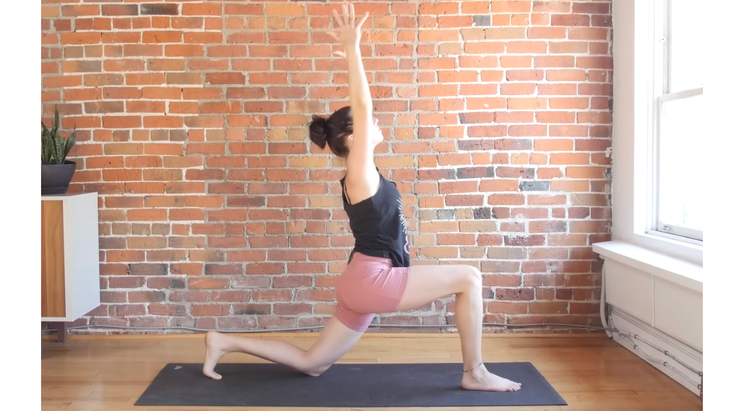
{"points": [[362, 20], [345, 14], [338, 18], [348, 18], [334, 36], [339, 53]]}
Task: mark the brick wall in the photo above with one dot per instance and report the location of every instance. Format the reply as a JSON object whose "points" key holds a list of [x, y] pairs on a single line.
{"points": [[216, 211]]}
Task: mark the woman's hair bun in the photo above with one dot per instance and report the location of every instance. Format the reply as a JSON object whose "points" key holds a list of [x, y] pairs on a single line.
{"points": [[318, 131]]}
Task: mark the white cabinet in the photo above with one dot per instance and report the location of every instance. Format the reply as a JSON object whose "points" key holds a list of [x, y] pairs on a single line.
{"points": [[69, 256]]}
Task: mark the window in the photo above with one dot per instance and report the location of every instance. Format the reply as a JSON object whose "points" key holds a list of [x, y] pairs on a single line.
{"points": [[677, 146]]}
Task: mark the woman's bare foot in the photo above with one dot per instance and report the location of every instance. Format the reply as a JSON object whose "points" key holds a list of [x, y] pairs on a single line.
{"points": [[213, 353], [482, 380]]}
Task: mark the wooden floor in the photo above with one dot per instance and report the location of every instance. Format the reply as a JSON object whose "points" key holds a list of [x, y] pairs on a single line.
{"points": [[590, 372]]}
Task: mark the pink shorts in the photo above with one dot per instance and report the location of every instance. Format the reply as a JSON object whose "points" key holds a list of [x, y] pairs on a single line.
{"points": [[369, 285]]}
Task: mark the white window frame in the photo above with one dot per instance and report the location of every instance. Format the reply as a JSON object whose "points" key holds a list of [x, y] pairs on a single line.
{"points": [[661, 72], [633, 94]]}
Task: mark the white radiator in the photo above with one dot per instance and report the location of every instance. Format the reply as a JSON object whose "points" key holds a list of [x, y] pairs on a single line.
{"points": [[677, 360], [655, 302]]}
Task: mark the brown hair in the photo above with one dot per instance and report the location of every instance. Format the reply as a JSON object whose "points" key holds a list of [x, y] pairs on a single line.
{"points": [[332, 131]]}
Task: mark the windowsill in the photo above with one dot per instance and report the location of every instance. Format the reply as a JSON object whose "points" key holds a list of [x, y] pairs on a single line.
{"points": [[669, 268], [668, 239]]}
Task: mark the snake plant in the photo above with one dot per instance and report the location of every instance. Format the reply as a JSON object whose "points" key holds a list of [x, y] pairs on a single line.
{"points": [[53, 145]]}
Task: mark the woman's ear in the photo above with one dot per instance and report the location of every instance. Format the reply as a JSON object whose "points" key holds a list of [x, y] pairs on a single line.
{"points": [[349, 139]]}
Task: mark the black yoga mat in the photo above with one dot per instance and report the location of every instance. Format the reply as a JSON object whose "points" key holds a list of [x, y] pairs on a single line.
{"points": [[343, 385]]}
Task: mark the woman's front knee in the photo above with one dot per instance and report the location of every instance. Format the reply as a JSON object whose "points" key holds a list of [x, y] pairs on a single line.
{"points": [[472, 276]]}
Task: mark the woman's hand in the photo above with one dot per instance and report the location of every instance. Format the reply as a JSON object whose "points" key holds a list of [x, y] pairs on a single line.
{"points": [[349, 30]]}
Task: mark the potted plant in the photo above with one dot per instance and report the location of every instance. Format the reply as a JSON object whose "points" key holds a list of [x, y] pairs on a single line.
{"points": [[56, 171]]}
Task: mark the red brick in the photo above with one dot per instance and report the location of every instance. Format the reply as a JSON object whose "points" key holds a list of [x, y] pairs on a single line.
{"points": [[570, 20], [587, 34], [208, 283], [119, 10], [503, 307], [198, 310]]}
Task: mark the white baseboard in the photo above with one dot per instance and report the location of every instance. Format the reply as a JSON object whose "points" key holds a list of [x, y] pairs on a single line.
{"points": [[642, 347]]}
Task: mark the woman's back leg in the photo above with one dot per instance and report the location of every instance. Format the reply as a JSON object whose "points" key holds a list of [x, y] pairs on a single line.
{"points": [[333, 342]]}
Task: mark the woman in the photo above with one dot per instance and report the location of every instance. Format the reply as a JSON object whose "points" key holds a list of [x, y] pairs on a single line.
{"points": [[378, 277]]}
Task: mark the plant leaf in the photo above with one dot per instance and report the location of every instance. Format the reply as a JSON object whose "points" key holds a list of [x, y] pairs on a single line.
{"points": [[47, 147], [70, 143], [58, 149], [44, 132], [56, 121]]}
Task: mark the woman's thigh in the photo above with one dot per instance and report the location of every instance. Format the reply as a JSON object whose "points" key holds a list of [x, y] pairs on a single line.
{"points": [[427, 283]]}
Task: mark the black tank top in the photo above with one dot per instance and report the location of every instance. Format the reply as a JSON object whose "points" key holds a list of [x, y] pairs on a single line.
{"points": [[378, 224]]}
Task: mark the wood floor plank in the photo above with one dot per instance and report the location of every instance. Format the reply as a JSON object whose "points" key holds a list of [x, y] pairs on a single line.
{"points": [[591, 372]]}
